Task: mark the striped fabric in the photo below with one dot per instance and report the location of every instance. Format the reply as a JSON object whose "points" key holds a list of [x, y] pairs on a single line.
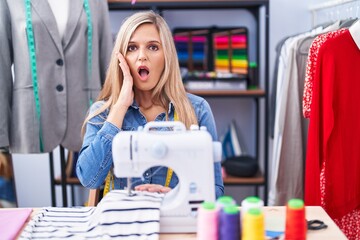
{"points": [[117, 216]]}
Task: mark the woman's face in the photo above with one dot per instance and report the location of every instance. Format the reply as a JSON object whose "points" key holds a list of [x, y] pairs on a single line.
{"points": [[145, 57]]}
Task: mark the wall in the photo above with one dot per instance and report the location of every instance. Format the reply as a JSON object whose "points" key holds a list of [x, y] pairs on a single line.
{"points": [[32, 171]]}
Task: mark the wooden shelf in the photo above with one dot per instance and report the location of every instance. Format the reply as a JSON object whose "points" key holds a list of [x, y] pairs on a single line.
{"points": [[225, 93], [229, 180], [257, 180], [184, 4], [179, 1]]}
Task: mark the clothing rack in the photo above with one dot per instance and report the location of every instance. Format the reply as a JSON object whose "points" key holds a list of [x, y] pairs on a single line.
{"points": [[347, 8]]}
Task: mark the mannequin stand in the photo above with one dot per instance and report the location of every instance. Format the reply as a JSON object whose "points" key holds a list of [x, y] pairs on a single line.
{"points": [[64, 180]]}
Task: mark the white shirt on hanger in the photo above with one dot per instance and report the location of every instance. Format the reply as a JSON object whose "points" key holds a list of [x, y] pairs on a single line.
{"points": [[60, 9], [355, 32]]}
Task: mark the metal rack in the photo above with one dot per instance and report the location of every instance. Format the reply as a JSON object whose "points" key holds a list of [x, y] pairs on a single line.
{"points": [[260, 96], [351, 8]]}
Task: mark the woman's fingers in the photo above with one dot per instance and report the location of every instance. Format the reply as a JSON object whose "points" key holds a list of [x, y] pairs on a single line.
{"points": [[126, 94], [153, 188], [123, 65]]}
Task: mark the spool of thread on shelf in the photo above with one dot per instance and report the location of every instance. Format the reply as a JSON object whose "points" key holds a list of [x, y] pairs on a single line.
{"points": [[229, 223], [295, 225], [253, 225], [207, 222], [251, 202]]}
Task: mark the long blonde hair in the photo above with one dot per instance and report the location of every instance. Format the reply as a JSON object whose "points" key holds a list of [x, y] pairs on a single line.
{"points": [[170, 87]]}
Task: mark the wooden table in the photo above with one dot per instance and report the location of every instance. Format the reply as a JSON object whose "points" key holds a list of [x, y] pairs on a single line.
{"points": [[275, 217]]}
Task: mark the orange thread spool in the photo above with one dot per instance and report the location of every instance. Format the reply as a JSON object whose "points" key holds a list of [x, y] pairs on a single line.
{"points": [[295, 227]]}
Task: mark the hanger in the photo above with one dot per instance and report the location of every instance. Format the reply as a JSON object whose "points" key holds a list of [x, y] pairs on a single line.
{"points": [[347, 23]]}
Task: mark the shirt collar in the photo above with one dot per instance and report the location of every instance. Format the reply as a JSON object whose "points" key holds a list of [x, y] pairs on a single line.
{"points": [[355, 33], [170, 107], [135, 105]]}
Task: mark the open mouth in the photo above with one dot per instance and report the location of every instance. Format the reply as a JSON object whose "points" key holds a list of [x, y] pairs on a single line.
{"points": [[143, 72]]}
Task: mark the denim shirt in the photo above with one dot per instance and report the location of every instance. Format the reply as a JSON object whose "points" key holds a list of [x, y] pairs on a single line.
{"points": [[95, 157]]}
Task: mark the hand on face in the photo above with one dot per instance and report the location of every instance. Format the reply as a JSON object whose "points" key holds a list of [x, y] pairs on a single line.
{"points": [[153, 188], [126, 96]]}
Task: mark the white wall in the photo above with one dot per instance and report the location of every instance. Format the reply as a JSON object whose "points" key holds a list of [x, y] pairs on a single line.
{"points": [[287, 17]]}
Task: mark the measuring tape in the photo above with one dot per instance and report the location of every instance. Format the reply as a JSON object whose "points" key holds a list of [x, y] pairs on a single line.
{"points": [[170, 171], [109, 181], [89, 45], [34, 76]]}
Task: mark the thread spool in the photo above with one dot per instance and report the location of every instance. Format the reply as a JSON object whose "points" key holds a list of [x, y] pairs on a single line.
{"points": [[295, 225], [251, 202], [229, 223], [253, 225], [207, 222], [224, 201]]}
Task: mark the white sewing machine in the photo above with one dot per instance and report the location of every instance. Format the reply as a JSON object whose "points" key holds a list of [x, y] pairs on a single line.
{"points": [[190, 153]]}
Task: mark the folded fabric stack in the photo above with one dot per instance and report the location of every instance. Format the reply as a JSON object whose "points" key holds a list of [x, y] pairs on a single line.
{"points": [[116, 216]]}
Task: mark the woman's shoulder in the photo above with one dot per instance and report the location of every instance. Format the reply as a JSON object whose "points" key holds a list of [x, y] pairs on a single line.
{"points": [[96, 105], [98, 109], [195, 99]]}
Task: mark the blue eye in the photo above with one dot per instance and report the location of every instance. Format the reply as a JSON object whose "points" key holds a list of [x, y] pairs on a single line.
{"points": [[153, 47], [131, 48]]}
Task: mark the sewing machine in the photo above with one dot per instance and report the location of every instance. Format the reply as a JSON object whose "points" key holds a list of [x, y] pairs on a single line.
{"points": [[190, 153]]}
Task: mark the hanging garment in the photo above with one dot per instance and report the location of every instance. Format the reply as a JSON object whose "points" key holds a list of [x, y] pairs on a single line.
{"points": [[333, 153], [286, 181], [290, 136], [311, 66], [62, 72]]}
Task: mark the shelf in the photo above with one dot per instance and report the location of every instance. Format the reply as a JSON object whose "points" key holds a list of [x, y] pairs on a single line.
{"points": [[180, 1], [257, 180], [229, 93], [183, 4]]}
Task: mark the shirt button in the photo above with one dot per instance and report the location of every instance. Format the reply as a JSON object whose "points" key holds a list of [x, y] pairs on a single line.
{"points": [[59, 62], [147, 174], [59, 88]]}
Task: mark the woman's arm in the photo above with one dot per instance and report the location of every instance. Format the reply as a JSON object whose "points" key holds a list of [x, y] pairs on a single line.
{"points": [[95, 157]]}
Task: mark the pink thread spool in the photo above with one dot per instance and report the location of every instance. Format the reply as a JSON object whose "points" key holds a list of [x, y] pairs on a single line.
{"points": [[207, 222]]}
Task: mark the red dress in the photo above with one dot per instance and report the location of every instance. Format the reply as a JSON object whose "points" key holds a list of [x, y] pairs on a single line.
{"points": [[311, 66], [332, 177]]}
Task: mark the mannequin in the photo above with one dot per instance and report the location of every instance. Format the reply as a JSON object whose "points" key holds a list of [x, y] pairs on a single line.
{"points": [[64, 84]]}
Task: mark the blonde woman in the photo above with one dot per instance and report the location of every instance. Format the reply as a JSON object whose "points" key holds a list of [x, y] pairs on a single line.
{"points": [[143, 84]]}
